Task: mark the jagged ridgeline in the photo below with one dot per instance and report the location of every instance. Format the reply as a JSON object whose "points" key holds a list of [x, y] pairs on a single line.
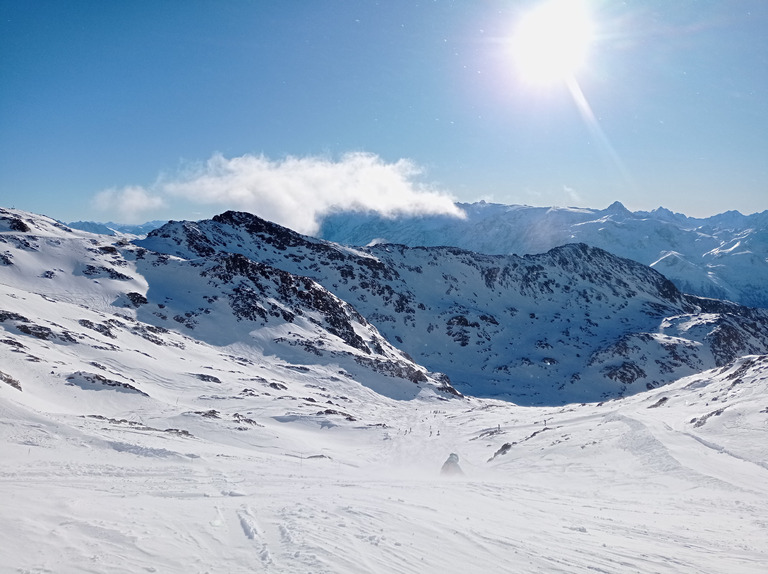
{"points": [[723, 257], [573, 324]]}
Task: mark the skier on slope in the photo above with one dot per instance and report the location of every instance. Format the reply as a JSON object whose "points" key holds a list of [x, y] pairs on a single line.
{"points": [[451, 466]]}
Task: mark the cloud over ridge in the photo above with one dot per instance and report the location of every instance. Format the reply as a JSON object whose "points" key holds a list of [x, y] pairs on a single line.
{"points": [[297, 191], [130, 202]]}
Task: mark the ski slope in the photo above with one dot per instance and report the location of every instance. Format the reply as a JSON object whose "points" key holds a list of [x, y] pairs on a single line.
{"points": [[93, 482]]}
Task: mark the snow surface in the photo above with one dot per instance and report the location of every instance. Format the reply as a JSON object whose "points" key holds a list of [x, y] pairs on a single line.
{"points": [[125, 447], [634, 485]]}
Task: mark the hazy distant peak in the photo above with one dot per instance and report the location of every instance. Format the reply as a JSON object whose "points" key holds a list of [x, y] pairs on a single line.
{"points": [[618, 207]]}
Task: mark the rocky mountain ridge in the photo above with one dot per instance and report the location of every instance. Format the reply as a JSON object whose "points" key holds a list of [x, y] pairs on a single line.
{"points": [[111, 293], [724, 256], [573, 324]]}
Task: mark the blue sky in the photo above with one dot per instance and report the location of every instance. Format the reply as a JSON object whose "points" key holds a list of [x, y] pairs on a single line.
{"points": [[139, 110]]}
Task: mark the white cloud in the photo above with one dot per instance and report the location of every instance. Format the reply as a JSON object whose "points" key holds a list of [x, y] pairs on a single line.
{"points": [[572, 194], [129, 203], [298, 192]]}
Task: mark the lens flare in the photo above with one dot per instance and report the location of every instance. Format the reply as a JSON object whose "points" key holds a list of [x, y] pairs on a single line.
{"points": [[552, 41]]}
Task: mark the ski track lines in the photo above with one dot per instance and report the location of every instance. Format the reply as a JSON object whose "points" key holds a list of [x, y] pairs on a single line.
{"points": [[327, 525], [613, 488]]}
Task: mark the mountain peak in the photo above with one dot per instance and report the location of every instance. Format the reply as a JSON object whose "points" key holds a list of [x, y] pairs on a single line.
{"points": [[618, 207]]}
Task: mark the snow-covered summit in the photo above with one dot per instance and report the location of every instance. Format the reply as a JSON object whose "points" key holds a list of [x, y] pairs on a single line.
{"points": [[225, 300]]}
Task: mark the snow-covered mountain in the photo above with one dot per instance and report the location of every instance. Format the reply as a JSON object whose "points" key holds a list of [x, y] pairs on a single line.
{"points": [[209, 411], [571, 325], [723, 257], [111, 228], [224, 300]]}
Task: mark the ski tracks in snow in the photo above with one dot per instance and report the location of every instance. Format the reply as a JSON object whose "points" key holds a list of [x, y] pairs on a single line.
{"points": [[252, 531], [291, 538]]}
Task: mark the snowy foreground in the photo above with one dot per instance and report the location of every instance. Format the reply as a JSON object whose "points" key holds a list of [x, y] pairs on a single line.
{"points": [[673, 480]]}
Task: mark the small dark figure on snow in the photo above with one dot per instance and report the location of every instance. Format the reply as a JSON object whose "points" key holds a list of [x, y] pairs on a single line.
{"points": [[451, 466]]}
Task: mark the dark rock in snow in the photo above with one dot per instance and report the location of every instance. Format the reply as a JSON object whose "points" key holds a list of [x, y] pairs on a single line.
{"points": [[95, 381], [612, 326], [8, 379]]}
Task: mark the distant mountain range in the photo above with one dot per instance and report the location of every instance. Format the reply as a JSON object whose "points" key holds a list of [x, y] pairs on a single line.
{"points": [[111, 228], [722, 257]]}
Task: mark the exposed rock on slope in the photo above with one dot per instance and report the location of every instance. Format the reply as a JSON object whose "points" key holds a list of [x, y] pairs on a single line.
{"points": [[224, 299], [573, 324], [723, 257]]}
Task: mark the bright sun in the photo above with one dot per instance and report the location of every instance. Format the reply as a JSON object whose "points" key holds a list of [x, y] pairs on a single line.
{"points": [[551, 41]]}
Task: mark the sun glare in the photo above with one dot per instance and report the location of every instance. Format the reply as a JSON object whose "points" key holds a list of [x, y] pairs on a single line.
{"points": [[551, 41]]}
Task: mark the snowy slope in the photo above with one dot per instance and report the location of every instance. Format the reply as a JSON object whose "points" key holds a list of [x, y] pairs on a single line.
{"points": [[723, 257], [206, 477], [575, 324], [166, 413]]}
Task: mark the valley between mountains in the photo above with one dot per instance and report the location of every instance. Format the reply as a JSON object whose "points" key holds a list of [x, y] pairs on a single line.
{"points": [[229, 395]]}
